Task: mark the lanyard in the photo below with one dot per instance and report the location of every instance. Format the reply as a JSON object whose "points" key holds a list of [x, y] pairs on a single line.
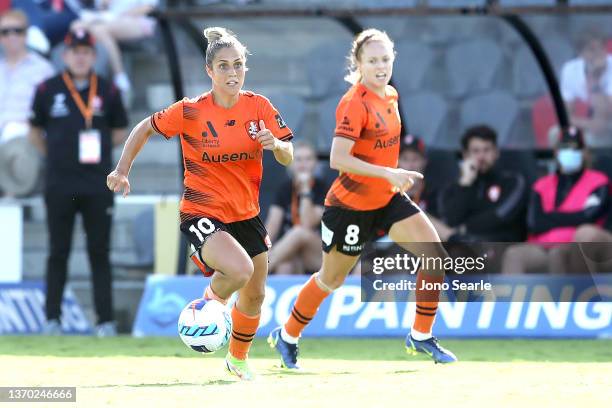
{"points": [[86, 111]]}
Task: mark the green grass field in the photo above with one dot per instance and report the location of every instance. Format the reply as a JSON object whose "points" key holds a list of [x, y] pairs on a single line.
{"points": [[161, 372]]}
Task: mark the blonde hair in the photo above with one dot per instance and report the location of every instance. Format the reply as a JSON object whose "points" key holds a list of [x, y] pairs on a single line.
{"points": [[361, 39], [219, 37], [16, 14]]}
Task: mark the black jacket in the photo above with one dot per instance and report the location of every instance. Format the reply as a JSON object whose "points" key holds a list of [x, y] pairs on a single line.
{"points": [[491, 209]]}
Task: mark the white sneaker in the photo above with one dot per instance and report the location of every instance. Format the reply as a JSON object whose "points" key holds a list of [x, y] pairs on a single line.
{"points": [[106, 329], [52, 327]]}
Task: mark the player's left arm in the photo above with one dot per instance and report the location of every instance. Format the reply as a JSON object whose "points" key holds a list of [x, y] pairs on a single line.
{"points": [[283, 151]]}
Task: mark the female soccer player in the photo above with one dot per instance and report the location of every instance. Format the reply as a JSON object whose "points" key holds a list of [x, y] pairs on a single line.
{"points": [[366, 197], [223, 134]]}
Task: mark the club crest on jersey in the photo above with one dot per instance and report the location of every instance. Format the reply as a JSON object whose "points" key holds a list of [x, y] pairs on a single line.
{"points": [[252, 127]]}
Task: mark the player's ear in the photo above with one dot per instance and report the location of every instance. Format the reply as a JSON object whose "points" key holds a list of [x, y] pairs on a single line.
{"points": [[208, 70]]}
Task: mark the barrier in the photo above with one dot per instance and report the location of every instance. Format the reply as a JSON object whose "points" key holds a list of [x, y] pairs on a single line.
{"points": [[343, 313], [22, 310]]}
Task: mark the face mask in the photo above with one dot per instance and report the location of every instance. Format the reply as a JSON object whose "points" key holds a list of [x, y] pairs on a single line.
{"points": [[570, 160]]}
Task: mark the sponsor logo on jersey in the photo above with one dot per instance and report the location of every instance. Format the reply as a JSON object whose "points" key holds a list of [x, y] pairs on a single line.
{"points": [[383, 144], [345, 125], [279, 120], [230, 157]]}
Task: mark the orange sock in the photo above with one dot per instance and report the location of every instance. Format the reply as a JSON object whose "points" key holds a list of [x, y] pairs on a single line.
{"points": [[306, 305], [243, 332], [426, 303]]}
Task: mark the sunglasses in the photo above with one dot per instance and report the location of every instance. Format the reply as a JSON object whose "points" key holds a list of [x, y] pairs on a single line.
{"points": [[12, 30]]}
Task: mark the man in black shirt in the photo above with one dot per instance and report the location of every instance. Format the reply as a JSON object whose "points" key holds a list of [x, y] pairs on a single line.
{"points": [[294, 217], [486, 203], [77, 117]]}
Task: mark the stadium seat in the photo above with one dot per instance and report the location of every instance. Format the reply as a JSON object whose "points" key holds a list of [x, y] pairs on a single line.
{"points": [[472, 66], [291, 107], [602, 161], [589, 2], [326, 67], [528, 80], [386, 3], [521, 3], [274, 174], [543, 118], [521, 161], [327, 122], [414, 60], [425, 114], [497, 109], [443, 167], [455, 29], [456, 3]]}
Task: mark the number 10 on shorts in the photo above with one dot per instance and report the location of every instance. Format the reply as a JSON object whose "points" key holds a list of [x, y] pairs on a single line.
{"points": [[204, 227]]}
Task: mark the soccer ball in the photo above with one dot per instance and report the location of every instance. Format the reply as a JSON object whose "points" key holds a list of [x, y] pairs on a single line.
{"points": [[205, 325]]}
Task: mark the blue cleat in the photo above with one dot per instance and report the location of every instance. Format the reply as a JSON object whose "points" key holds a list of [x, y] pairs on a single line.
{"points": [[288, 352], [430, 347]]}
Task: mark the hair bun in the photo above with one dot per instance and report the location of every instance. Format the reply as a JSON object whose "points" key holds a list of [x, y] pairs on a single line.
{"points": [[213, 34]]}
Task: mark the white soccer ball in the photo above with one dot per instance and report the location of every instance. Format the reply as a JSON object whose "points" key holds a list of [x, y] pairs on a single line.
{"points": [[205, 325]]}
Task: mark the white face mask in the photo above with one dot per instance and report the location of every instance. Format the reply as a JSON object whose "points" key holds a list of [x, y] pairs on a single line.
{"points": [[570, 160]]}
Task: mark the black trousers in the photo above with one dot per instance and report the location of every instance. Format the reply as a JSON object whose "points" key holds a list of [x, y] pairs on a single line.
{"points": [[96, 212]]}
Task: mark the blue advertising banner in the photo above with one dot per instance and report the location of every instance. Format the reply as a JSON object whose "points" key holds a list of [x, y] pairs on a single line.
{"points": [[526, 310], [22, 310]]}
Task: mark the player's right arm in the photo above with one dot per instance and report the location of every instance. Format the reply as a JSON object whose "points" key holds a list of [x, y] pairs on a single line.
{"points": [[342, 160], [117, 180], [168, 122]]}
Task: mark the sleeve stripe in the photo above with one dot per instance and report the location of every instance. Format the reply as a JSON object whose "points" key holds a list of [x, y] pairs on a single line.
{"points": [[156, 128], [346, 136], [286, 138]]}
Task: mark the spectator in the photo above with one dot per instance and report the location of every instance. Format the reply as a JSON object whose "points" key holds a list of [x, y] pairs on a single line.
{"points": [[413, 157], [586, 86], [119, 20], [83, 117], [53, 17], [486, 203], [20, 72], [295, 216], [560, 203]]}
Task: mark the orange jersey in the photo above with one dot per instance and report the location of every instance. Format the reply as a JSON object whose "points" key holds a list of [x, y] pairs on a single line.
{"points": [[374, 124], [222, 158]]}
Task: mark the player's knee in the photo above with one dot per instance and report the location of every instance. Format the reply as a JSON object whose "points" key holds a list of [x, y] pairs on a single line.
{"points": [[241, 270], [587, 233]]}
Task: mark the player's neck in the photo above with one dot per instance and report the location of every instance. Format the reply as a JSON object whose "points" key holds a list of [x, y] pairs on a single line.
{"points": [[224, 100], [380, 91]]}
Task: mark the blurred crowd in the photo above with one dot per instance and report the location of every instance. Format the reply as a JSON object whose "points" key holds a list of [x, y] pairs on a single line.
{"points": [[486, 202]]}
